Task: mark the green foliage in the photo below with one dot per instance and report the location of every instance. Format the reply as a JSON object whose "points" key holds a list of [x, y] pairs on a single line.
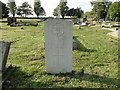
{"points": [[100, 9], [4, 10], [63, 9], [12, 7], [114, 11], [24, 10], [37, 6], [89, 14], [55, 12], [75, 12], [38, 9]]}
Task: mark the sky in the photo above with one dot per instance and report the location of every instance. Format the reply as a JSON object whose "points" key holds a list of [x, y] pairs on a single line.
{"points": [[49, 5]]}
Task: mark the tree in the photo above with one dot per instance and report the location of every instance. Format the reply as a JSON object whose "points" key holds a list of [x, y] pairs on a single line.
{"points": [[20, 11], [75, 12], [12, 7], [71, 12], [38, 9], [55, 12], [89, 14], [4, 10], [24, 10], [78, 12], [63, 9], [114, 11], [42, 11], [100, 9]]}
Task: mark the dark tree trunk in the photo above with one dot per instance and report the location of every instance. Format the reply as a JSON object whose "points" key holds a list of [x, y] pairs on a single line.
{"points": [[62, 16]]}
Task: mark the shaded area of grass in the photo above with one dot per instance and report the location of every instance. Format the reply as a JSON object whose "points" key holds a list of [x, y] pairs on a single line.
{"points": [[81, 47], [97, 54]]}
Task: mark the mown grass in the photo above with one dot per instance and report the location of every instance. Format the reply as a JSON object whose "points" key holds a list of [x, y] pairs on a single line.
{"points": [[97, 55]]}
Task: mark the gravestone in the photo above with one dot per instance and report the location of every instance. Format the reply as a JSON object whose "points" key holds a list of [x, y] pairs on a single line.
{"points": [[84, 24], [75, 21], [58, 46], [4, 50]]}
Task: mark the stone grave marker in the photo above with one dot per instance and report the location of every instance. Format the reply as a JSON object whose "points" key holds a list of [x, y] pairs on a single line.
{"points": [[4, 50], [75, 21], [58, 46]]}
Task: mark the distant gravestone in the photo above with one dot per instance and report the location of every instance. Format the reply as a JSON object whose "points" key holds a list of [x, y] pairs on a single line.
{"points": [[75, 21], [58, 46], [84, 23], [117, 19], [4, 50], [101, 20]]}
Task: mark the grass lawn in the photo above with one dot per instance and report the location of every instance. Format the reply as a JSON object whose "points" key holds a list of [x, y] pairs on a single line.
{"points": [[97, 55]]}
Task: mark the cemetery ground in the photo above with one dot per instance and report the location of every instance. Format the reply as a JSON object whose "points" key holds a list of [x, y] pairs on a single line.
{"points": [[97, 54]]}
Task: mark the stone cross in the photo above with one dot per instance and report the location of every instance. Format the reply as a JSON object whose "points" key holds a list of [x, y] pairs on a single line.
{"points": [[58, 46]]}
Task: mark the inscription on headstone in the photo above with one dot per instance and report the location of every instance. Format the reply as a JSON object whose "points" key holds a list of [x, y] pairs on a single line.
{"points": [[58, 46]]}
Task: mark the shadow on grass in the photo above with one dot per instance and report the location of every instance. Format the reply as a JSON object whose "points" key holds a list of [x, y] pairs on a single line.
{"points": [[20, 79], [81, 47], [92, 78]]}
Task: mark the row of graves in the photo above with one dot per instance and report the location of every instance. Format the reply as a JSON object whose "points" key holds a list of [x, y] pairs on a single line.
{"points": [[110, 25], [79, 23], [14, 23], [105, 23]]}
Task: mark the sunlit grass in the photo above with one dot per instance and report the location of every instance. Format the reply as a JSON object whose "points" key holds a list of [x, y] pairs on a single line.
{"points": [[99, 58]]}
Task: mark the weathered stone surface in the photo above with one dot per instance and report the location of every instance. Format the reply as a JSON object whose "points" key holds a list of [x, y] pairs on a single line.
{"points": [[75, 21], [58, 46], [4, 50], [75, 45]]}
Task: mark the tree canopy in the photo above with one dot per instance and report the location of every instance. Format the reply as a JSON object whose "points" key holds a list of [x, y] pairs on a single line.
{"points": [[24, 10], [38, 9], [12, 7], [63, 9], [4, 10], [114, 11], [75, 12], [100, 9], [55, 12]]}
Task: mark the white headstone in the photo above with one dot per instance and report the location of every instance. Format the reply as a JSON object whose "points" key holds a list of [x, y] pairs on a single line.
{"points": [[58, 45]]}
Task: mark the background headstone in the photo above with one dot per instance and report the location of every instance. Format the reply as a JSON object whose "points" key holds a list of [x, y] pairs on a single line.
{"points": [[58, 46]]}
